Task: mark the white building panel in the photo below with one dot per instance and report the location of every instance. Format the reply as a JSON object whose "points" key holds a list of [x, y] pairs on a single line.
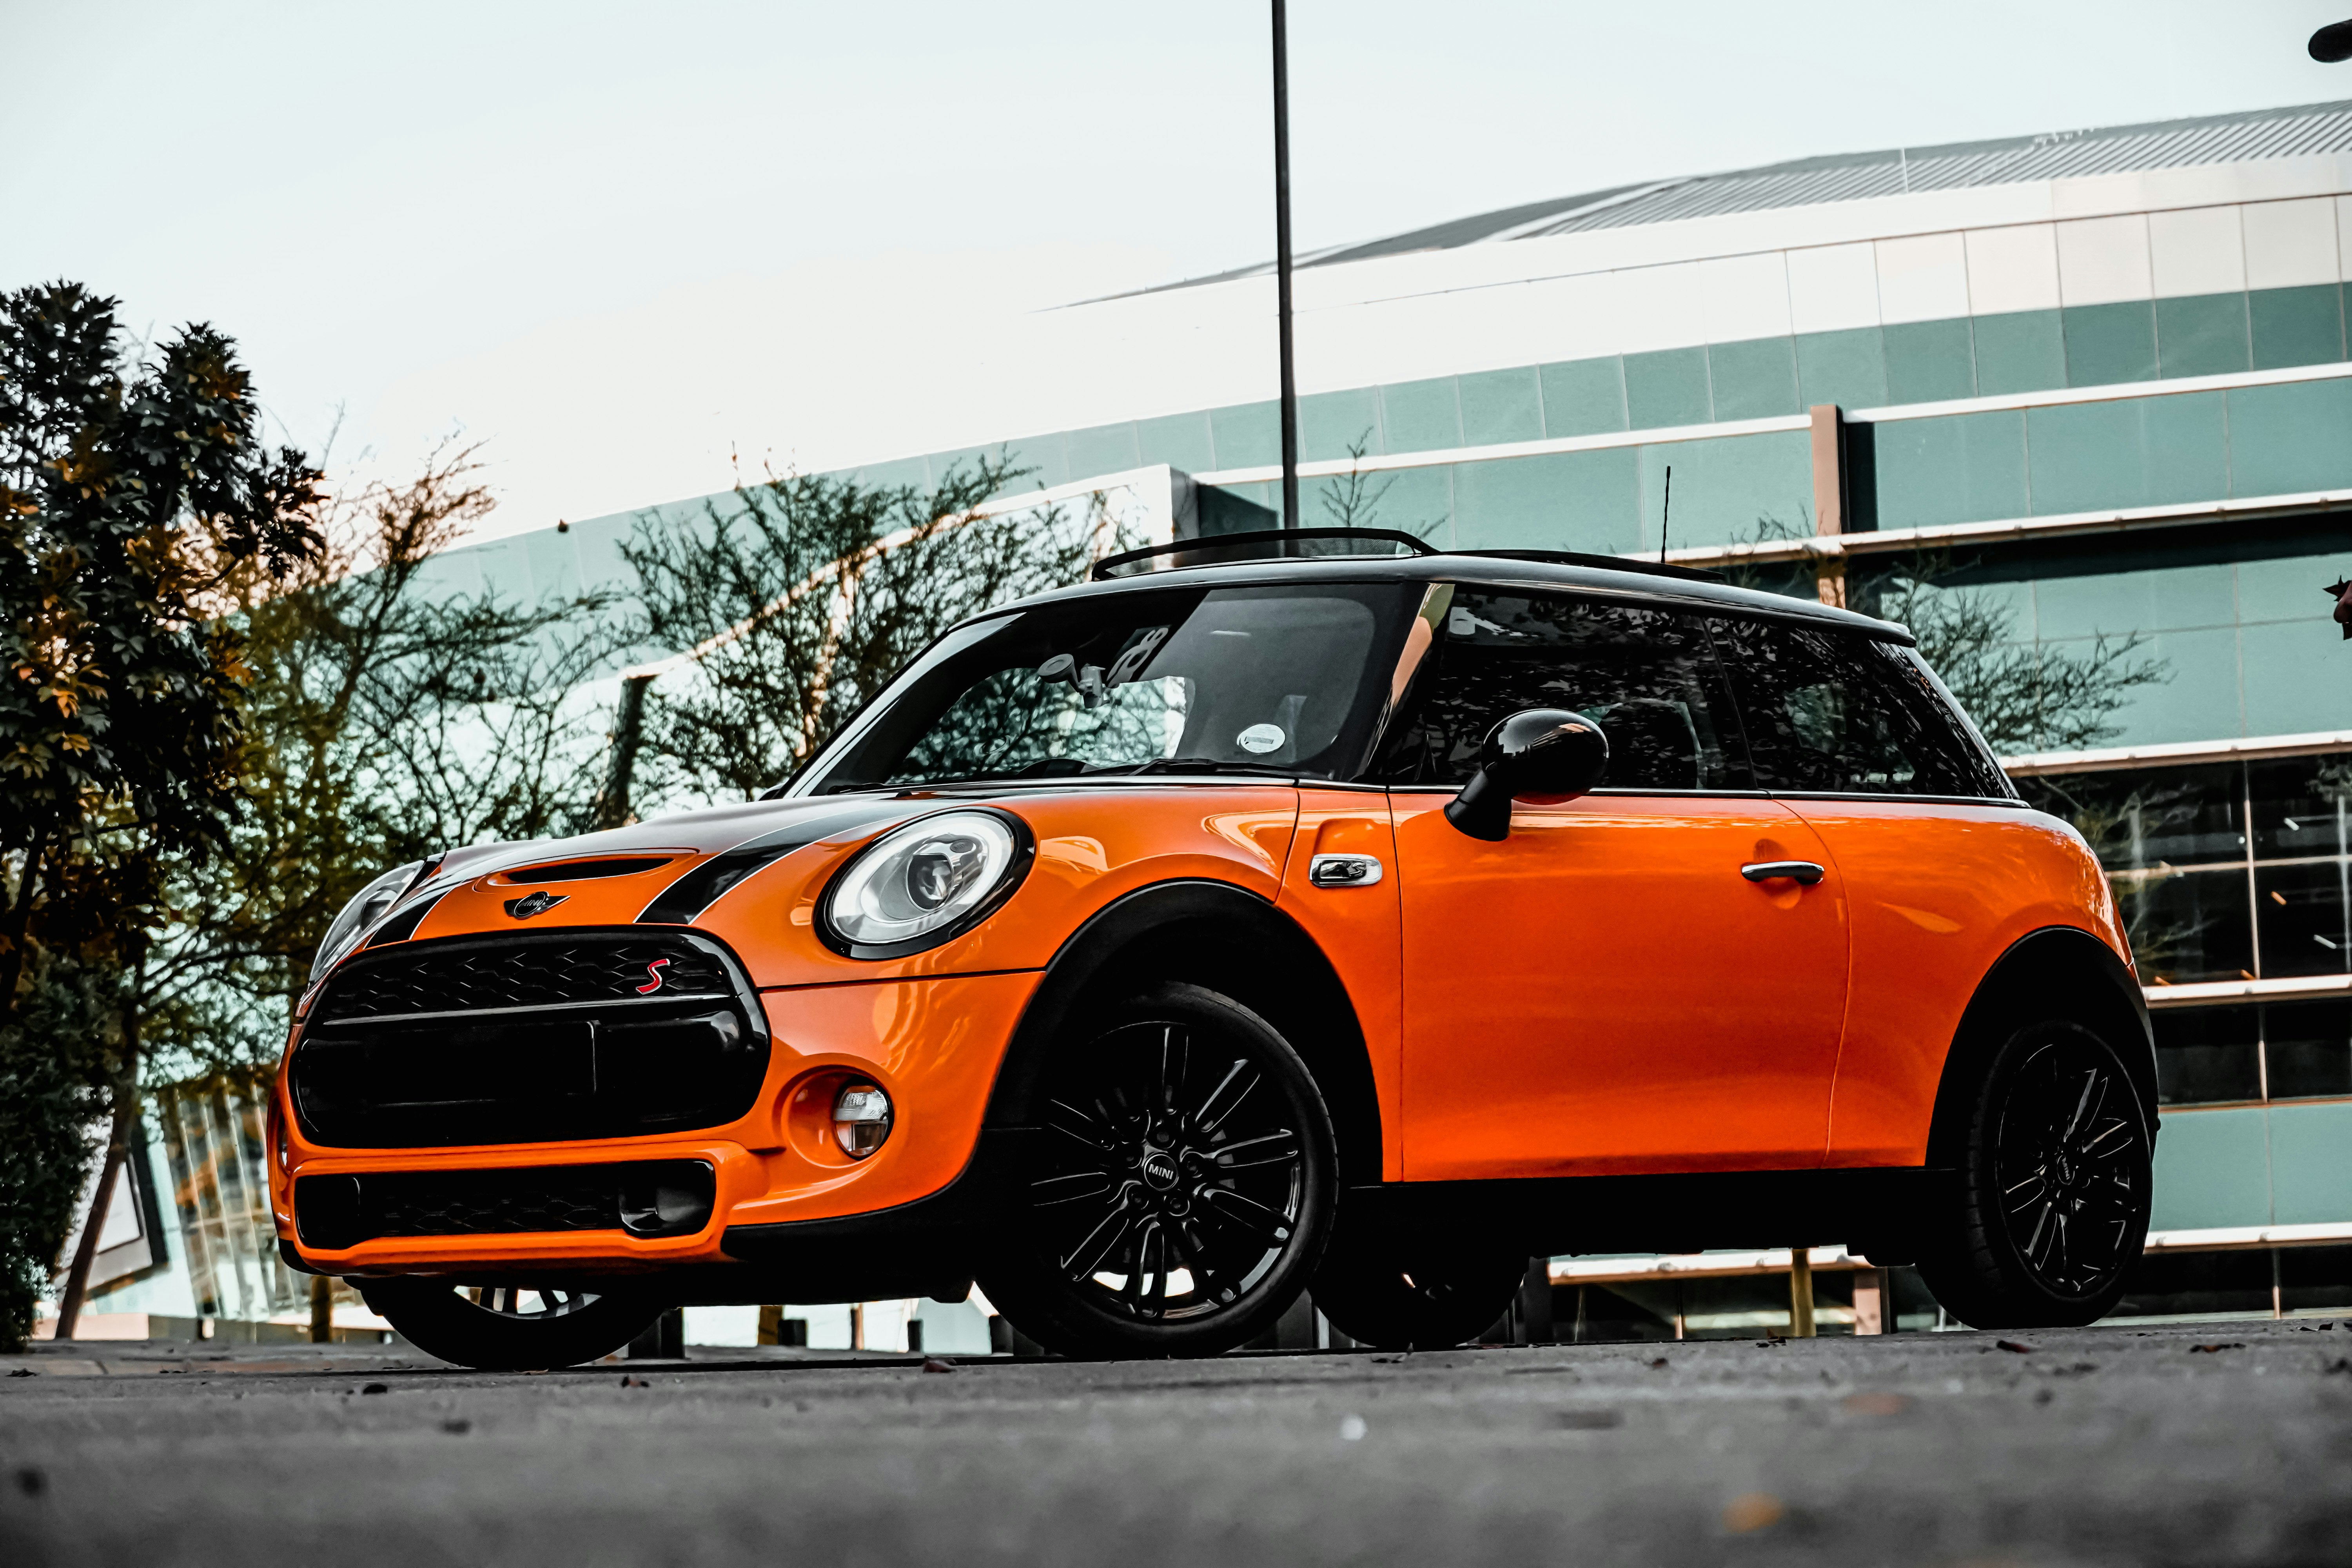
{"points": [[1574, 318], [2103, 260], [2291, 243], [1833, 287], [2012, 268], [1745, 297], [1661, 308], [2197, 250], [1923, 278]]}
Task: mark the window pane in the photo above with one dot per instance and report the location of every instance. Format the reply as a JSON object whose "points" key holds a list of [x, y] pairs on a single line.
{"points": [[2306, 918], [2310, 1047], [2301, 806], [1960, 759], [1647, 677], [2187, 926], [1831, 711], [1262, 680], [2142, 818], [2206, 1055]]}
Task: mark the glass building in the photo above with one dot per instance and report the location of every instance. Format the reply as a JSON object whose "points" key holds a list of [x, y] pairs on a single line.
{"points": [[2101, 377]]}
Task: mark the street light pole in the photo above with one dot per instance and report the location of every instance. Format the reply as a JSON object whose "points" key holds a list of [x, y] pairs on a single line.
{"points": [[1282, 266]]}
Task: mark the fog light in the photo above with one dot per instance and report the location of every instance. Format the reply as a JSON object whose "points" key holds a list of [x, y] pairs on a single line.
{"points": [[861, 1119]]}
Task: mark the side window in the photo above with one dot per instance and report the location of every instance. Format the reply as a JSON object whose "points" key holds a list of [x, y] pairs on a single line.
{"points": [[1647, 677], [1837, 712]]}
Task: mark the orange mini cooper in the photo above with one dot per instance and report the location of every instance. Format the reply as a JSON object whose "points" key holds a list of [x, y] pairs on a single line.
{"points": [[1242, 920]]}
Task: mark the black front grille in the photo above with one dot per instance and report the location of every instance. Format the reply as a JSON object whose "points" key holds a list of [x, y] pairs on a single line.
{"points": [[534, 970], [528, 1039], [651, 1198]]}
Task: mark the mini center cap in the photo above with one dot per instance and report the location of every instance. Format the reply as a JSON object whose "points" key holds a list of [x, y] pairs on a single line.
{"points": [[1160, 1170]]}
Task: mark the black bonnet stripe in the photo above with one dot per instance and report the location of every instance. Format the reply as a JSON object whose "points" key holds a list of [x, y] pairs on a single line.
{"points": [[403, 926], [679, 903]]}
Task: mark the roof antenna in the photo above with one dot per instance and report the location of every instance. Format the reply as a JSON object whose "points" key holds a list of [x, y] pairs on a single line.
{"points": [[1666, 514]]}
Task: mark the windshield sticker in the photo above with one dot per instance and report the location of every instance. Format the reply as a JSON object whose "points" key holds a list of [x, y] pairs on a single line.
{"points": [[1261, 739]]}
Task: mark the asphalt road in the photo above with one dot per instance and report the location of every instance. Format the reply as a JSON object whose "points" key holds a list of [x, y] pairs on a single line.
{"points": [[2204, 1444]]}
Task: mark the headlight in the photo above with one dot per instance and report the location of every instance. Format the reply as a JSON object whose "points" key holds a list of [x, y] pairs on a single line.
{"points": [[360, 914], [919, 885]]}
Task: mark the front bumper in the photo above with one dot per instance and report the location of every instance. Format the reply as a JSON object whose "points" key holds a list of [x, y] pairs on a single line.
{"points": [[933, 1045]]}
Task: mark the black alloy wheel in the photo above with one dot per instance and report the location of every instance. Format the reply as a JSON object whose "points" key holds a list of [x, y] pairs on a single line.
{"points": [[2054, 1186], [1181, 1190], [508, 1328]]}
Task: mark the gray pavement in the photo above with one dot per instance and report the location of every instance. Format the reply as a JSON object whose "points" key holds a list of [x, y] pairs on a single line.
{"points": [[2206, 1444]]}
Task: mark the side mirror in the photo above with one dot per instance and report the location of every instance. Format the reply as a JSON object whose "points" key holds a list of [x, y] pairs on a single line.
{"points": [[1539, 753]]}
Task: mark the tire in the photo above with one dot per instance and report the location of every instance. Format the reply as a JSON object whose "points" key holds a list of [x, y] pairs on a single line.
{"points": [[511, 1328], [1414, 1293], [1183, 1189], [2051, 1206]]}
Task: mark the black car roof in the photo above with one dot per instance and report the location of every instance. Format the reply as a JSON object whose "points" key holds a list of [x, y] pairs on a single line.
{"points": [[1486, 572]]}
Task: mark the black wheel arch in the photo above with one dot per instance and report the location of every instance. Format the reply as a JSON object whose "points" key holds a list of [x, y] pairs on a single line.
{"points": [[1229, 939], [2055, 971]]}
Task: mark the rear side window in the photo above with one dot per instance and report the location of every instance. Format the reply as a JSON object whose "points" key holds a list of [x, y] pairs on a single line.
{"points": [[1835, 712], [1647, 677]]}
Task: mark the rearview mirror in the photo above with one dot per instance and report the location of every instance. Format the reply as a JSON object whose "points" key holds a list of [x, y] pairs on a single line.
{"points": [[1538, 753]]}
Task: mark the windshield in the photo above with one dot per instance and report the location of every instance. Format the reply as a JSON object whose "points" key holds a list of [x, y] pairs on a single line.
{"points": [[1271, 681]]}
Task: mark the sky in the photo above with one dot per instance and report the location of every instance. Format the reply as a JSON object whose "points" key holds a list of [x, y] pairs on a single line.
{"points": [[629, 248]]}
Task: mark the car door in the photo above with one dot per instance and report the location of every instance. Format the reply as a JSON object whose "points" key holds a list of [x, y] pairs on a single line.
{"points": [[1605, 989], [1852, 734]]}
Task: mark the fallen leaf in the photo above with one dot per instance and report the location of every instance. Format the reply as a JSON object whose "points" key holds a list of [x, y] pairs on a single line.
{"points": [[2014, 1347], [1751, 1511], [1659, 1364], [2215, 1350], [628, 1382], [1875, 1403], [1587, 1420], [933, 1364]]}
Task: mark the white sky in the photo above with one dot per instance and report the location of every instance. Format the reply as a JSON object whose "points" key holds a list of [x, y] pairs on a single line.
{"points": [[616, 242]]}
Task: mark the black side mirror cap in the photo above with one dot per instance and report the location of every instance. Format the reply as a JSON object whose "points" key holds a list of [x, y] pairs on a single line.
{"points": [[1538, 753]]}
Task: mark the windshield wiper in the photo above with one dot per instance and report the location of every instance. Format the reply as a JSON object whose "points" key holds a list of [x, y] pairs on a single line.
{"points": [[1204, 765]]}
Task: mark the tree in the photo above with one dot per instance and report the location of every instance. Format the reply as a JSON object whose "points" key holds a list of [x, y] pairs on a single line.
{"points": [[796, 598], [1353, 500], [387, 720], [132, 490], [2025, 696]]}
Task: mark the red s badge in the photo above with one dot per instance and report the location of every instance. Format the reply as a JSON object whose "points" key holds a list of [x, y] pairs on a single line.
{"points": [[654, 974]]}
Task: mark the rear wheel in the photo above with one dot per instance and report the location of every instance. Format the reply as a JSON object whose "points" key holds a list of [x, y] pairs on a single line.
{"points": [[508, 1328], [1183, 1190], [1414, 1292], [2052, 1204]]}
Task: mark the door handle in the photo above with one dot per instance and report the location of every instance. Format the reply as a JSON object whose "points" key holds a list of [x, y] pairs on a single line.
{"points": [[1804, 871], [1344, 871]]}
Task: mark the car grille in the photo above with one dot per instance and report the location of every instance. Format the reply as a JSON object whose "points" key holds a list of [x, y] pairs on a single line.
{"points": [[554, 970], [653, 1197], [528, 1039]]}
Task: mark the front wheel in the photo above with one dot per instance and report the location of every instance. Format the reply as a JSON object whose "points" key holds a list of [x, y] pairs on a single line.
{"points": [[1184, 1187], [508, 1328], [2052, 1204]]}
